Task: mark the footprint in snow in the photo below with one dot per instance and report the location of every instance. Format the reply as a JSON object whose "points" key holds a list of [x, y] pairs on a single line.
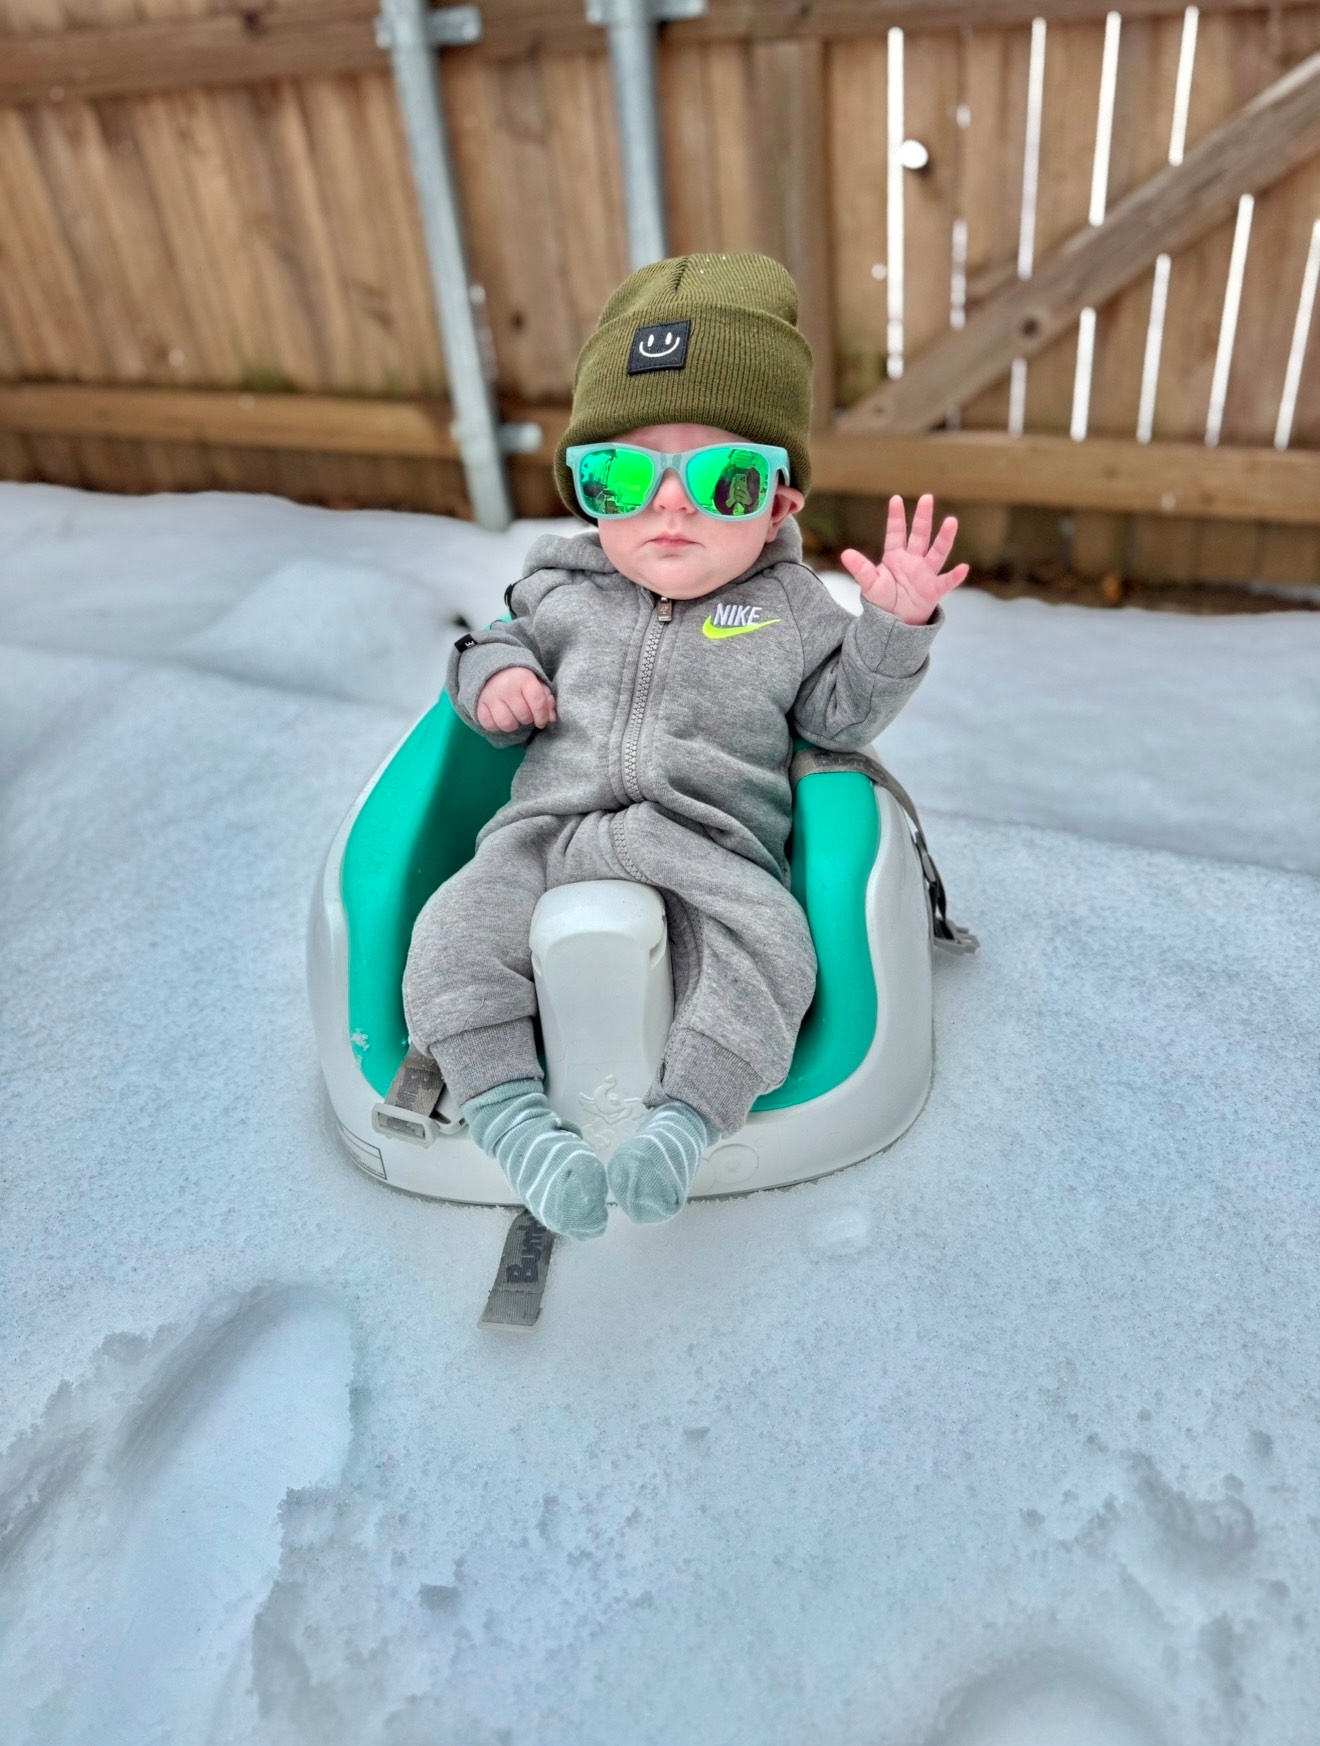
{"points": [[1047, 1697], [139, 1521]]}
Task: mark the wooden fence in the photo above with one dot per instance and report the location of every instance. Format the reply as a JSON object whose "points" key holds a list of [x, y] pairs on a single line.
{"points": [[1056, 264]]}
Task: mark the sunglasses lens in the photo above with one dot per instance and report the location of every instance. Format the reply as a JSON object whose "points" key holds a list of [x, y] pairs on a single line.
{"points": [[614, 481], [729, 481]]}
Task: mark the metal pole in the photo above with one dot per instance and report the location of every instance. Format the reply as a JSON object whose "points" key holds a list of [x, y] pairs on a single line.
{"points": [[410, 30], [631, 26]]}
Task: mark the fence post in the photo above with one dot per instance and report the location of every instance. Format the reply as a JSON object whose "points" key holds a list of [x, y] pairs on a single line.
{"points": [[411, 32], [632, 27]]}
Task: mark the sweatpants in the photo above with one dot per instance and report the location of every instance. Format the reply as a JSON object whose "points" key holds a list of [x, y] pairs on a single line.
{"points": [[744, 967]]}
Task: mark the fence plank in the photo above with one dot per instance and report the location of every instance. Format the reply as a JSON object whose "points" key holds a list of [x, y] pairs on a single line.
{"points": [[688, 148], [223, 222], [388, 172], [220, 48], [859, 166], [995, 74], [240, 117], [1306, 419], [847, 18], [589, 194], [215, 352], [10, 370], [1146, 88], [65, 260], [1230, 552], [1280, 241], [477, 173], [191, 357], [1037, 543], [70, 154], [63, 338], [1103, 473], [359, 237], [932, 197], [1070, 100], [930, 102], [736, 169], [121, 189], [309, 236], [59, 460], [21, 284], [320, 38], [1281, 232], [984, 466], [1166, 549], [17, 461], [537, 350], [1288, 556], [1281, 236], [315, 423], [172, 466]]}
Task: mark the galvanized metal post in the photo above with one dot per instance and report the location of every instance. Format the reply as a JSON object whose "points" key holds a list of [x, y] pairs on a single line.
{"points": [[632, 25], [411, 33]]}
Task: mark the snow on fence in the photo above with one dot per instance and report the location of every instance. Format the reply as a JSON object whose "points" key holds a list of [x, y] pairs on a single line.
{"points": [[1057, 263]]}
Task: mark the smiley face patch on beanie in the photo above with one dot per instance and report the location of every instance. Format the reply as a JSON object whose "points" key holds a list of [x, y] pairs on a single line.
{"points": [[662, 346]]}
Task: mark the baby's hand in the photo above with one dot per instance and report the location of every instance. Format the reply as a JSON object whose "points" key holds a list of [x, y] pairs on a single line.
{"points": [[908, 581], [511, 698]]}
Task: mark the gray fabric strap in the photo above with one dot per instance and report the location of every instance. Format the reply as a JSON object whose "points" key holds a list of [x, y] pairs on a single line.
{"points": [[417, 1085], [813, 759], [515, 1297]]}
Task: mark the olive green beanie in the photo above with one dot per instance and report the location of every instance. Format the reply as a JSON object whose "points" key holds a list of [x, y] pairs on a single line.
{"points": [[696, 339]]}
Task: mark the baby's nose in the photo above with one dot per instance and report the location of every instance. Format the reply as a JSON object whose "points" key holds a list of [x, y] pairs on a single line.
{"points": [[671, 493]]}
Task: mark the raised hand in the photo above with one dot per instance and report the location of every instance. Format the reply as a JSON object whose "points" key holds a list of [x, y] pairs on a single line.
{"points": [[513, 697], [907, 580]]}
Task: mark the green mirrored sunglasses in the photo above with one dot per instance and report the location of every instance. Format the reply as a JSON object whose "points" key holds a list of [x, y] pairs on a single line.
{"points": [[724, 480]]}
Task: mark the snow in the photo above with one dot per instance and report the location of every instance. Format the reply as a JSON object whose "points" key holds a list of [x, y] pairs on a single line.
{"points": [[1007, 1436]]}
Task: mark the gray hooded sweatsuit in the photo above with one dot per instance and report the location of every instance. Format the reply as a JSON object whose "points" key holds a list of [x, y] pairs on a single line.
{"points": [[668, 765]]}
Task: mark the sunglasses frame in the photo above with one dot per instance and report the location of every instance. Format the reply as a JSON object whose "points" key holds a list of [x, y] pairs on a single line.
{"points": [[775, 457]]}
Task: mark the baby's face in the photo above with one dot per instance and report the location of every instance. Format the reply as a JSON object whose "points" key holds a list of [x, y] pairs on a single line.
{"points": [[701, 553]]}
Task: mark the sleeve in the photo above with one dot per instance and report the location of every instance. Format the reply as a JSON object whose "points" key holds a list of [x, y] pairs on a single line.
{"points": [[858, 672], [507, 642]]}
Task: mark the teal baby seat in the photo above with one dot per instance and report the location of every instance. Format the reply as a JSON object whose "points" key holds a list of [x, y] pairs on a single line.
{"points": [[863, 1060], [419, 825]]}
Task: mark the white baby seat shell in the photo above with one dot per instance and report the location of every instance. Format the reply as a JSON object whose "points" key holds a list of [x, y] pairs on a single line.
{"points": [[862, 1068]]}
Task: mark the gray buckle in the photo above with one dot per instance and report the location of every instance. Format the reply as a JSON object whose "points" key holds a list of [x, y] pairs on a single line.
{"points": [[408, 1112]]}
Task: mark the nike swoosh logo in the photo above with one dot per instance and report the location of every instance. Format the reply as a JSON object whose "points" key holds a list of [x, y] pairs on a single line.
{"points": [[733, 630]]}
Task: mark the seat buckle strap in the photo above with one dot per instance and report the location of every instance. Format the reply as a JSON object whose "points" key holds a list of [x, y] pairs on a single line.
{"points": [[408, 1110], [816, 759]]}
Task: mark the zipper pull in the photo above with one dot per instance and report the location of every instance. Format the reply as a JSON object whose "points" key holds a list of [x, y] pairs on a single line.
{"points": [[665, 610]]}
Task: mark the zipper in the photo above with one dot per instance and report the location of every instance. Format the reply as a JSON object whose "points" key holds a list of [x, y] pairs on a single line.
{"points": [[664, 612]]}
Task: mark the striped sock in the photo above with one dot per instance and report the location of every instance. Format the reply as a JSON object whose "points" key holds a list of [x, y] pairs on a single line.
{"points": [[651, 1172], [550, 1167]]}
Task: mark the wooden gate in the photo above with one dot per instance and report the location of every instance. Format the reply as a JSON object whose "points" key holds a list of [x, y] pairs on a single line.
{"points": [[1057, 263]]}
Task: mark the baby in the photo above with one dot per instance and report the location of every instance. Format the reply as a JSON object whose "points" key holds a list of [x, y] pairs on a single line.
{"points": [[657, 667]]}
